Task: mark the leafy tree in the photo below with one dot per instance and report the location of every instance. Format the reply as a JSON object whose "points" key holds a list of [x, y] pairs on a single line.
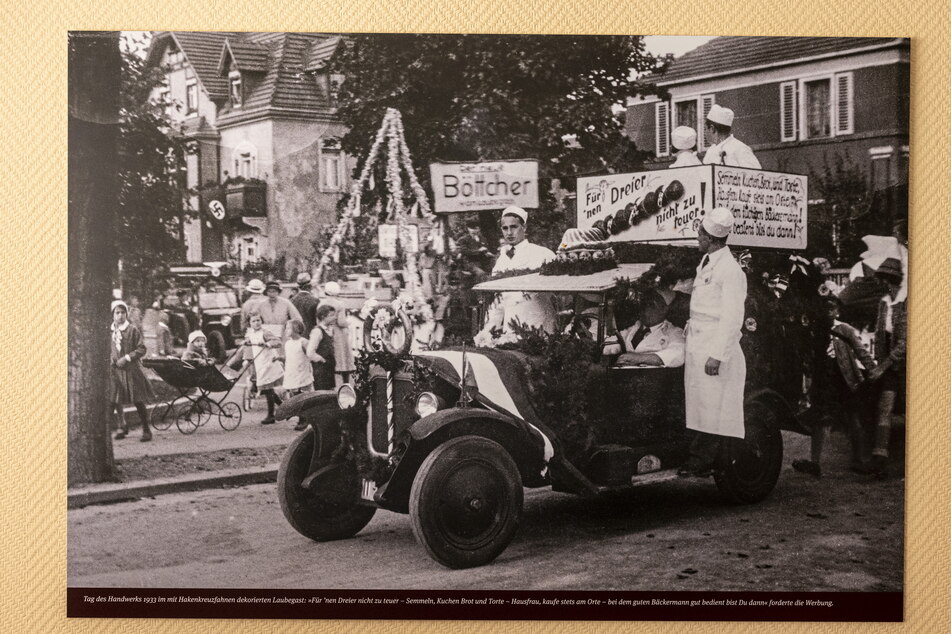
{"points": [[490, 97], [839, 222], [151, 176]]}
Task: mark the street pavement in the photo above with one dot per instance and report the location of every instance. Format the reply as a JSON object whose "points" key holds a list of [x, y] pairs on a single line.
{"points": [[843, 532], [210, 437]]}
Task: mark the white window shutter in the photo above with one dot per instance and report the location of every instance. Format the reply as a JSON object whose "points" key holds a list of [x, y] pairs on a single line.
{"points": [[788, 111], [844, 120], [706, 103], [662, 128]]}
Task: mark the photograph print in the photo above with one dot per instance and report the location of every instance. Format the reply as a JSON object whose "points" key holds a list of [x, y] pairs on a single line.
{"points": [[487, 326]]}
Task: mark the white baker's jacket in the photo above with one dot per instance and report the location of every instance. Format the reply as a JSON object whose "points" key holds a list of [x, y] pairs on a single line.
{"points": [[531, 309], [664, 339], [686, 158], [714, 404], [731, 151]]}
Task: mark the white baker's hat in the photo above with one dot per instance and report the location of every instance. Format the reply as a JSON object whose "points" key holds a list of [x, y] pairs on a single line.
{"points": [[683, 137], [721, 115], [719, 222], [518, 212]]}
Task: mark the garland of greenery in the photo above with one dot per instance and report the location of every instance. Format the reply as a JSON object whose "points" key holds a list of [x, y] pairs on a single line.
{"points": [[501, 275], [579, 266]]}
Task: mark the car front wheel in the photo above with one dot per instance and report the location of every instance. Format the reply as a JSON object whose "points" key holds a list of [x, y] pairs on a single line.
{"points": [[749, 468], [328, 510], [466, 502]]}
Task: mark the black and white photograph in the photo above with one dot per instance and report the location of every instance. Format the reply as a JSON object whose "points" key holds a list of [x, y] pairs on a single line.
{"points": [[476, 326]]}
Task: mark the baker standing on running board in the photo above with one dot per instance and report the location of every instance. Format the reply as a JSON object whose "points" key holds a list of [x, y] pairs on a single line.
{"points": [[715, 368]]}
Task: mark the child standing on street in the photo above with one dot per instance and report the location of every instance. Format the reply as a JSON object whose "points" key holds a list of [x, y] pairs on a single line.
{"points": [[298, 375], [128, 383], [841, 376], [320, 349], [263, 349]]}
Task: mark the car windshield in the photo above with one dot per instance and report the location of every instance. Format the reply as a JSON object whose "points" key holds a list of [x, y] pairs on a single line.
{"points": [[217, 299]]}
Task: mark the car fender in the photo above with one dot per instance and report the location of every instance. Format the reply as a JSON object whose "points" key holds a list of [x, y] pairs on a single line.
{"points": [[308, 404], [428, 433], [784, 413]]}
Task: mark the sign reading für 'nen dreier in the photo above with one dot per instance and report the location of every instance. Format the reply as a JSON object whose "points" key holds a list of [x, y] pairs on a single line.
{"points": [[485, 185], [769, 208]]}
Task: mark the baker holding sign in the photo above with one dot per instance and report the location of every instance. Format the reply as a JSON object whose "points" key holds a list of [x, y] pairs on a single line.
{"points": [[715, 368]]}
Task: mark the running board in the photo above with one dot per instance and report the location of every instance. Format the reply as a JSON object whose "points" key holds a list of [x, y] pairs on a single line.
{"points": [[640, 480]]}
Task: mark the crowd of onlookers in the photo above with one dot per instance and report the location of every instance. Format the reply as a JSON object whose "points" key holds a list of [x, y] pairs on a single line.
{"points": [[303, 343]]}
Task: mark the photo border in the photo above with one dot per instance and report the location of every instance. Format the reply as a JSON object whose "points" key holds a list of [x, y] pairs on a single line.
{"points": [[34, 255]]}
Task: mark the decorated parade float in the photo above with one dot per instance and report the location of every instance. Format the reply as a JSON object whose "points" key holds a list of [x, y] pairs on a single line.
{"points": [[452, 436]]}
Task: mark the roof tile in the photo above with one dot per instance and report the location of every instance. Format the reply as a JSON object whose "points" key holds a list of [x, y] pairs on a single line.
{"points": [[733, 54], [281, 69], [247, 56]]}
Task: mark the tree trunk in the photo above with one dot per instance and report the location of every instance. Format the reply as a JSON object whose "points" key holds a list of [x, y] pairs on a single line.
{"points": [[94, 67]]}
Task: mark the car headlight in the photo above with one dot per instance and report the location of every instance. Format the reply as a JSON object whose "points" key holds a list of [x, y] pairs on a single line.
{"points": [[346, 397], [427, 404], [225, 320]]}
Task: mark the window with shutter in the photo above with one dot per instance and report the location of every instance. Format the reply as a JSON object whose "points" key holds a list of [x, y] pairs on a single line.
{"points": [[844, 123], [662, 128], [817, 108], [707, 101], [787, 111]]}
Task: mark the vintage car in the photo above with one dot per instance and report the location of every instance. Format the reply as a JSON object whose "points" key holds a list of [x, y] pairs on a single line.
{"points": [[209, 304], [452, 437]]}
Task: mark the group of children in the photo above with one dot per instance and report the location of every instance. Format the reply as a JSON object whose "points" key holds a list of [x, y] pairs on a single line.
{"points": [[295, 365], [850, 377]]}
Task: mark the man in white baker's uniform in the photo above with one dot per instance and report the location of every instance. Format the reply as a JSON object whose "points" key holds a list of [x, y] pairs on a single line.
{"points": [[726, 148], [715, 368], [684, 140], [531, 309]]}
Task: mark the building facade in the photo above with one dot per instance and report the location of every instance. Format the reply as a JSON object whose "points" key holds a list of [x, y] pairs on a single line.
{"points": [[800, 103], [265, 163]]}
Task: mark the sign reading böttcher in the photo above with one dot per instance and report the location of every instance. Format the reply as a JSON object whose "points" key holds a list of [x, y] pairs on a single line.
{"points": [[487, 185], [769, 208]]}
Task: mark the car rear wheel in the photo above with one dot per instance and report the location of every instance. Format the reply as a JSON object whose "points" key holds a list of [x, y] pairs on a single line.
{"points": [[217, 349], [321, 515], [466, 502], [748, 469]]}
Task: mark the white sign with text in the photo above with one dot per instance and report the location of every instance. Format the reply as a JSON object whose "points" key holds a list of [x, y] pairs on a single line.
{"points": [[660, 205], [486, 185]]}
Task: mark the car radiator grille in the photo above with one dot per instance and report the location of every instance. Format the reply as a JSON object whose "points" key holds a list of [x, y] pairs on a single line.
{"points": [[403, 411]]}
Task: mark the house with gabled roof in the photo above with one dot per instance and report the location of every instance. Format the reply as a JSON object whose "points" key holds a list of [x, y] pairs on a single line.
{"points": [[265, 158], [800, 102]]}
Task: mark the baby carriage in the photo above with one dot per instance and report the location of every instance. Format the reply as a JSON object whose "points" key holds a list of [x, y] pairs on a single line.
{"points": [[195, 407]]}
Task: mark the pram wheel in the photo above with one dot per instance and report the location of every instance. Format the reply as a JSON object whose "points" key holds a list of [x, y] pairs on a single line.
{"points": [[163, 417], [194, 416], [229, 416]]}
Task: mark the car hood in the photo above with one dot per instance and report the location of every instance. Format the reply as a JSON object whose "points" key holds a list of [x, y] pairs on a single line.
{"points": [[498, 378]]}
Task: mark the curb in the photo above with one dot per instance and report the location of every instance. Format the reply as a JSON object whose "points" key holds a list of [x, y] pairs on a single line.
{"points": [[126, 491]]}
